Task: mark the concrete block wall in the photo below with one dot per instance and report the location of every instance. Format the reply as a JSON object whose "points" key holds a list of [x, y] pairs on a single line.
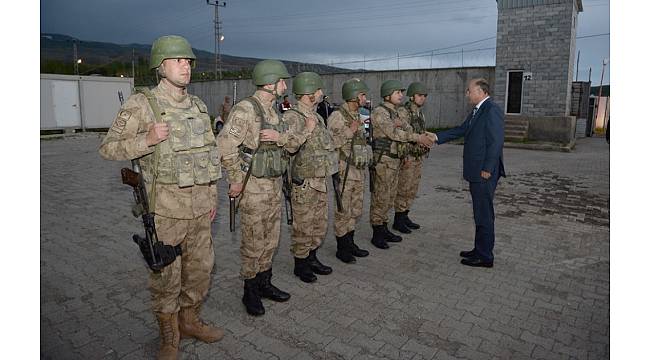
{"points": [[539, 39], [446, 104]]}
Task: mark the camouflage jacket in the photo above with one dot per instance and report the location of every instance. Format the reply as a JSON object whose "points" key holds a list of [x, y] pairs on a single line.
{"points": [[126, 140], [385, 127], [243, 128], [339, 124], [300, 135]]}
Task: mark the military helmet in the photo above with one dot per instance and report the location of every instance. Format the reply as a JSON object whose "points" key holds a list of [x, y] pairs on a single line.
{"points": [[170, 47], [269, 72], [307, 83], [416, 88], [352, 88], [389, 86]]}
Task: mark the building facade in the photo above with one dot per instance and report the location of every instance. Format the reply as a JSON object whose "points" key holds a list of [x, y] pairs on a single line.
{"points": [[535, 59]]}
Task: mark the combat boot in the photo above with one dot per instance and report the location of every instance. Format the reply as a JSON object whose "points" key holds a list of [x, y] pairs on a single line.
{"points": [[379, 237], [390, 237], [356, 251], [169, 336], [399, 223], [302, 270], [315, 264], [344, 249], [251, 298], [268, 290], [190, 325], [410, 223]]}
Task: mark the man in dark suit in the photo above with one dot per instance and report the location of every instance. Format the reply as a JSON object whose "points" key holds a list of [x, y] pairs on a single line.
{"points": [[482, 165]]}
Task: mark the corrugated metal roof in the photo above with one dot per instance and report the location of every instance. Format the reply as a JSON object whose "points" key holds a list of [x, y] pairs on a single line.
{"points": [[511, 4]]}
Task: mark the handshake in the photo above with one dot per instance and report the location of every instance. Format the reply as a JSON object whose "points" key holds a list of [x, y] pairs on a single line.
{"points": [[427, 139]]}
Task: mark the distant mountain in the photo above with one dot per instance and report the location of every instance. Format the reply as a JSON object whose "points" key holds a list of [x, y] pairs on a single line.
{"points": [[57, 47]]}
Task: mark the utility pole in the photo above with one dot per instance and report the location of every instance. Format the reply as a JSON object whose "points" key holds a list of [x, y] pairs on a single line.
{"points": [[76, 63], [600, 90], [397, 60], [218, 38], [133, 64]]}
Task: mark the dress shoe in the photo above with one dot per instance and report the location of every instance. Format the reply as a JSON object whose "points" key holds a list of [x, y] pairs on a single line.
{"points": [[476, 262], [468, 254]]}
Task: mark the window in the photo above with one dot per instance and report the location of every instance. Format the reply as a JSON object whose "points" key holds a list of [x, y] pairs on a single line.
{"points": [[514, 87]]}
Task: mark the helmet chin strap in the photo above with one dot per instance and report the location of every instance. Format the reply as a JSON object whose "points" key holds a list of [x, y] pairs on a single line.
{"points": [[273, 92]]}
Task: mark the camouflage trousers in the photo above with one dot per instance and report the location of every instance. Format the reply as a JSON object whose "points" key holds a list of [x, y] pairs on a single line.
{"points": [[408, 184], [185, 282], [260, 214], [385, 189], [352, 201], [309, 219]]}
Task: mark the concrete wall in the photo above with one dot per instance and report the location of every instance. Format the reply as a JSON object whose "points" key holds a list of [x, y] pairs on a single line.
{"points": [[538, 38], [446, 104]]}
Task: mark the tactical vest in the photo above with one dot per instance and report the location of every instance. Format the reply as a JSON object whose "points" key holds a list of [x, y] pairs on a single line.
{"points": [[317, 157], [386, 146], [189, 156], [268, 160], [360, 155], [417, 123]]}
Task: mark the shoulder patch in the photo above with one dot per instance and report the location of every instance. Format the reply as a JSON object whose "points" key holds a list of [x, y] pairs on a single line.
{"points": [[120, 122], [235, 129]]}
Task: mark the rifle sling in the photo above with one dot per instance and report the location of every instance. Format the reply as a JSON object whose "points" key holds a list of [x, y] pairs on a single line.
{"points": [[259, 111], [153, 103]]}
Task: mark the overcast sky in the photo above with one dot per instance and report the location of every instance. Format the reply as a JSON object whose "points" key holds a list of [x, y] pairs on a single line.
{"points": [[437, 33]]}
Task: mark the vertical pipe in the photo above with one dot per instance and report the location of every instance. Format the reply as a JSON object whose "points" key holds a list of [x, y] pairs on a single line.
{"points": [[578, 65]]}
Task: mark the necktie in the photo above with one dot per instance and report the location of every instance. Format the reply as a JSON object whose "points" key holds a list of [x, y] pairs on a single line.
{"points": [[473, 114]]}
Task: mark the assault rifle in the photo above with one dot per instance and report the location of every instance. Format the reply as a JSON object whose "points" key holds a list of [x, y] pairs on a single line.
{"points": [[336, 181], [232, 214], [371, 167], [155, 252], [286, 190]]}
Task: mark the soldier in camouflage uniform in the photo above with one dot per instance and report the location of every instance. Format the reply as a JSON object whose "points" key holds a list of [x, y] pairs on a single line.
{"points": [[355, 155], [251, 144], [168, 130], [391, 136], [411, 170], [314, 160]]}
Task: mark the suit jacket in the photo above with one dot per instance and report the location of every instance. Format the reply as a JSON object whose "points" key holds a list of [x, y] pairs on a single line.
{"points": [[483, 148]]}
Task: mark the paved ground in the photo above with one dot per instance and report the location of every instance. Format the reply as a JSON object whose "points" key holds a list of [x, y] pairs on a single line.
{"points": [[547, 296]]}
